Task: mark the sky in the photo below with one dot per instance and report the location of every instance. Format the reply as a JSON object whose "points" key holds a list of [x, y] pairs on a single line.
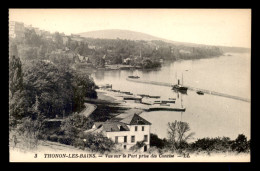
{"points": [[227, 27]]}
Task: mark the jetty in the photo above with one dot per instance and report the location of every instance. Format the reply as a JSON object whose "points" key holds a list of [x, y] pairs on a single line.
{"points": [[190, 88]]}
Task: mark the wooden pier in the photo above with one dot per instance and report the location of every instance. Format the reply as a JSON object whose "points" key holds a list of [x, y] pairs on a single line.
{"points": [[190, 88]]}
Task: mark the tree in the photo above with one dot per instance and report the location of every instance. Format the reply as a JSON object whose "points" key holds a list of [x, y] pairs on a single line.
{"points": [[31, 130], [157, 142], [98, 142], [15, 75], [99, 62], [177, 134], [16, 88], [52, 85], [31, 38], [74, 124], [240, 144], [58, 40]]}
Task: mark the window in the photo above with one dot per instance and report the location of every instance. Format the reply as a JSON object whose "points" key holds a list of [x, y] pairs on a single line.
{"points": [[125, 138], [145, 138], [124, 146], [142, 128], [132, 138], [145, 148], [116, 139], [136, 128]]}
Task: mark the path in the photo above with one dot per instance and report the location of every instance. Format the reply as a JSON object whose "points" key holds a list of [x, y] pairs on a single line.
{"points": [[90, 108]]}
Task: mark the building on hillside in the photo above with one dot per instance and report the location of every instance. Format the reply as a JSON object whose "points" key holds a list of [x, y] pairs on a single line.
{"points": [[125, 130], [75, 35], [46, 34], [127, 61], [78, 39], [37, 31], [91, 47], [65, 39], [184, 51], [16, 29]]}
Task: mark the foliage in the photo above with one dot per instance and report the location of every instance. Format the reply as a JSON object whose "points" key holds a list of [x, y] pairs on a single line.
{"points": [[31, 38], [52, 85], [137, 146], [61, 90], [241, 144], [98, 142], [147, 64], [98, 62], [210, 144], [74, 124], [15, 74], [176, 133], [31, 130], [16, 88], [221, 144], [82, 49], [157, 142]]}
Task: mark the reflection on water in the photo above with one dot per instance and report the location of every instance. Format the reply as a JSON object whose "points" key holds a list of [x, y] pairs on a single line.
{"points": [[208, 115]]}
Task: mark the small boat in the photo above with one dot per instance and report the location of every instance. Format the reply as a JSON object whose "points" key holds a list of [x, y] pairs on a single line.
{"points": [[163, 101], [166, 108], [172, 98], [132, 76], [143, 95], [156, 97], [126, 92], [132, 98], [115, 90], [200, 93], [106, 86], [164, 104]]}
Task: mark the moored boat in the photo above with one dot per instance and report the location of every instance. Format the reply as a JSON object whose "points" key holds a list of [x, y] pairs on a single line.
{"points": [[156, 97], [132, 76], [179, 87], [132, 98], [166, 108], [200, 93]]}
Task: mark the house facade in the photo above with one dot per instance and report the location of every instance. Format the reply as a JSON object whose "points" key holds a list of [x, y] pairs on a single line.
{"points": [[16, 29], [125, 131]]}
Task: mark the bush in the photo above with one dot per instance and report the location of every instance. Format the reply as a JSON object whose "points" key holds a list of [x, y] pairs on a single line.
{"points": [[241, 144], [153, 150], [137, 146], [157, 142], [98, 142], [65, 140], [221, 144], [53, 138], [79, 143]]}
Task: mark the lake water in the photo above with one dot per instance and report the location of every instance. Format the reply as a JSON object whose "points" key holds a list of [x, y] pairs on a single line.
{"points": [[207, 115]]}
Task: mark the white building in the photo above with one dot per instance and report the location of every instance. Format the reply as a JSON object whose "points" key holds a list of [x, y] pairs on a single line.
{"points": [[125, 130], [16, 29]]}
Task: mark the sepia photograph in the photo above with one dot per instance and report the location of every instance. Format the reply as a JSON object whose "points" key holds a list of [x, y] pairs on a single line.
{"points": [[129, 85]]}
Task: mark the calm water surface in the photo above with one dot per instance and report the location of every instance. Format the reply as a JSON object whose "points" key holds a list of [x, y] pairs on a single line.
{"points": [[208, 115]]}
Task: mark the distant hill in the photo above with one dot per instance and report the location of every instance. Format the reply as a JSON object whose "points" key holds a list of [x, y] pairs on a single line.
{"points": [[133, 35], [127, 34]]}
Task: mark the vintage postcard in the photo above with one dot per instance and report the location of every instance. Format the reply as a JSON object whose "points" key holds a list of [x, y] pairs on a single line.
{"points": [[129, 85]]}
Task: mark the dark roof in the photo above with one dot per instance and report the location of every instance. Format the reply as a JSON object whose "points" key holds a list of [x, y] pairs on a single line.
{"points": [[110, 126], [132, 119], [98, 124], [120, 122]]}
